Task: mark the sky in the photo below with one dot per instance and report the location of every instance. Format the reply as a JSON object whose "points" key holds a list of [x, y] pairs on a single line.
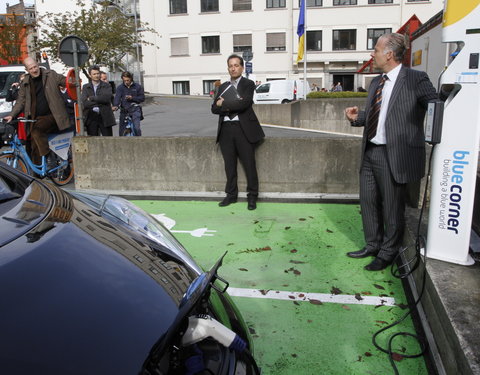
{"points": [[3, 6]]}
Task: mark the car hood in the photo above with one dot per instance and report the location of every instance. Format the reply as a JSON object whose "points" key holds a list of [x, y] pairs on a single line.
{"points": [[75, 285]]}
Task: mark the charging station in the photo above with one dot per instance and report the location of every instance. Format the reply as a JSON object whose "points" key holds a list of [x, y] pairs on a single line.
{"points": [[455, 158]]}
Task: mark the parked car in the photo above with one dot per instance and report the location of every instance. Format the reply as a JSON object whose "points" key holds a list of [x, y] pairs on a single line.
{"points": [[8, 75], [280, 91], [91, 284]]}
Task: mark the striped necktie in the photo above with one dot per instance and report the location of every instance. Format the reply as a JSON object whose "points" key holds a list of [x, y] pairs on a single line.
{"points": [[375, 111]]}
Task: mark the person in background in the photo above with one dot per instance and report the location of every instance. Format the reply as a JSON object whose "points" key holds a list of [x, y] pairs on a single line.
{"points": [[338, 87], [393, 148], [239, 132], [96, 99], [39, 98], [104, 78], [128, 97]]}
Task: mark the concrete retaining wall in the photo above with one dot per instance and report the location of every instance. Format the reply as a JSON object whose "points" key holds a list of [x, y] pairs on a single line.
{"points": [[317, 114], [327, 165]]}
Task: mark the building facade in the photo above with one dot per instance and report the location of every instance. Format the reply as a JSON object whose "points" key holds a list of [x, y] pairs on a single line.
{"points": [[195, 37]]}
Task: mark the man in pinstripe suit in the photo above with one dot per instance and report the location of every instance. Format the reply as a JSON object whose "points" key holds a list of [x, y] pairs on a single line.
{"points": [[393, 148]]}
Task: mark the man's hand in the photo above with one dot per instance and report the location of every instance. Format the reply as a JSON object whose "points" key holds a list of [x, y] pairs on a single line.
{"points": [[114, 108], [351, 113], [8, 118], [128, 97], [220, 101]]}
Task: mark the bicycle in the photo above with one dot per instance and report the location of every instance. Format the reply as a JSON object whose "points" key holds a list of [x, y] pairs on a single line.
{"points": [[17, 157], [129, 127], [128, 121]]}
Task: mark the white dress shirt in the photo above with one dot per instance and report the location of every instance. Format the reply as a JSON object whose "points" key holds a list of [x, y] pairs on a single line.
{"points": [[381, 138]]}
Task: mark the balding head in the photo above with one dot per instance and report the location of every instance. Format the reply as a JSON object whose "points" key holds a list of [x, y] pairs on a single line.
{"points": [[31, 66]]}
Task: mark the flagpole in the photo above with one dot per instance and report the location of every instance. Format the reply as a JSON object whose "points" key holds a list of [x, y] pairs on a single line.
{"points": [[305, 83]]}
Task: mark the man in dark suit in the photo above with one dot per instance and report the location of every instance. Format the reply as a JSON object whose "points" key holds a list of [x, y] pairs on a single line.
{"points": [[96, 99], [393, 148], [239, 132]]}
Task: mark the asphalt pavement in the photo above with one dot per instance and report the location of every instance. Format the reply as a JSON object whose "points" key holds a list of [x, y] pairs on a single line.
{"points": [[169, 116]]}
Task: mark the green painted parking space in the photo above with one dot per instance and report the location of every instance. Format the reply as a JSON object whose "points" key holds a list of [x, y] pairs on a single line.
{"points": [[310, 308]]}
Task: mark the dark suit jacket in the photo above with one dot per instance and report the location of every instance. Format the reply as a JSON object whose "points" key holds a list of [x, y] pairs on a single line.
{"points": [[404, 123], [248, 120], [102, 100]]}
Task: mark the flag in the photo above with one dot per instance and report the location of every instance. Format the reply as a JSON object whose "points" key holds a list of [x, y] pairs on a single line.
{"points": [[301, 31]]}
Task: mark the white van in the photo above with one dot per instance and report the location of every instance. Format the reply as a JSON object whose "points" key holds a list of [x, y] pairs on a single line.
{"points": [[8, 75], [280, 91]]}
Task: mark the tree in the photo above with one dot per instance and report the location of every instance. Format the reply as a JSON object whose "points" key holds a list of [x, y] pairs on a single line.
{"points": [[12, 37], [108, 32]]}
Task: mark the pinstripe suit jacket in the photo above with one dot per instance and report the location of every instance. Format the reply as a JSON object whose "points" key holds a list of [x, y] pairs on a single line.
{"points": [[403, 124]]}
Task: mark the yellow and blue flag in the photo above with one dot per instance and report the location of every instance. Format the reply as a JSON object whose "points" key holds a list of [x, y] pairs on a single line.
{"points": [[301, 31]]}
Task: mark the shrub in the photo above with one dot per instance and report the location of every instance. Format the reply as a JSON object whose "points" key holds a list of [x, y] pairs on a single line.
{"points": [[336, 94]]}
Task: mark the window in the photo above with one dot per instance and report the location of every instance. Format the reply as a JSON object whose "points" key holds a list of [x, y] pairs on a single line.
{"points": [[276, 3], [242, 5], [373, 35], [311, 3], [314, 40], [344, 2], [210, 44], [179, 46], [380, 1], [181, 87], [242, 42], [178, 6], [344, 39], [209, 87], [209, 6], [276, 42]]}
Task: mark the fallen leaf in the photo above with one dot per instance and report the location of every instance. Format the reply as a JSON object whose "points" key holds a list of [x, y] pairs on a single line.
{"points": [[243, 269], [296, 303], [359, 358], [301, 295], [287, 228], [378, 286], [381, 321], [315, 302], [367, 293], [309, 321], [397, 357], [297, 272], [293, 250], [335, 290], [329, 231], [264, 291], [294, 355], [291, 297], [345, 307], [302, 219], [296, 262], [358, 297], [368, 354]]}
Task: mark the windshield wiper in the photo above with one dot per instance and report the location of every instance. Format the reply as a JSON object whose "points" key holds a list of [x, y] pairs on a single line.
{"points": [[196, 293]]}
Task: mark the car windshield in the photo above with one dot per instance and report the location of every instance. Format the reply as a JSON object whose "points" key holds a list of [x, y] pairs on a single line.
{"points": [[6, 80]]}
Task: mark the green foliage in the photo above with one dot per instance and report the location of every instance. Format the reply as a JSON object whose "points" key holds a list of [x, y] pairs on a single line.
{"points": [[12, 33], [108, 32], [336, 94]]}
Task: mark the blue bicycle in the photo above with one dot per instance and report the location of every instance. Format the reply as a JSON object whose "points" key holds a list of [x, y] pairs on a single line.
{"points": [[17, 157]]}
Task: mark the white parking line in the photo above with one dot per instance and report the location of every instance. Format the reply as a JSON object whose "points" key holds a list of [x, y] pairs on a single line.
{"points": [[314, 298]]}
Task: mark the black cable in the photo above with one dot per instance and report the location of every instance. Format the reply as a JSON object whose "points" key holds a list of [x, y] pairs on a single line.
{"points": [[402, 272]]}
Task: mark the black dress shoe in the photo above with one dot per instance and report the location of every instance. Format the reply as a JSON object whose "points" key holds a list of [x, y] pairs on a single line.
{"points": [[377, 264], [363, 253], [252, 204], [227, 200]]}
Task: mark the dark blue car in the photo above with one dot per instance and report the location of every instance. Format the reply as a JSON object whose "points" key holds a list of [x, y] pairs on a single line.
{"points": [[92, 284]]}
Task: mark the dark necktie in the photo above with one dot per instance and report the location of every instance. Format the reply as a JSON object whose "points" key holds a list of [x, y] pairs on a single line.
{"points": [[375, 111]]}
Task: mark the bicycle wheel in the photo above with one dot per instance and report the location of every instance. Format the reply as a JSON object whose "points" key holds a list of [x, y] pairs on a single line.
{"points": [[9, 159], [63, 175]]}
